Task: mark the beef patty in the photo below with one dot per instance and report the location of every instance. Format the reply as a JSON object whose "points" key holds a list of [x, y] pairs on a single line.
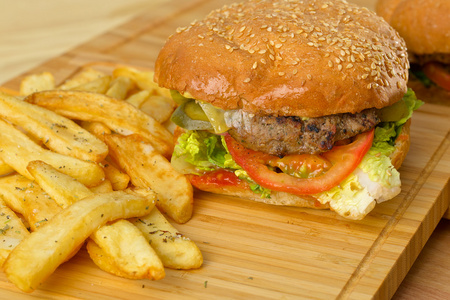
{"points": [[293, 135]]}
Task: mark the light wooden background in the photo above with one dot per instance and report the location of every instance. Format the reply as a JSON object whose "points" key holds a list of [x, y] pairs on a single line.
{"points": [[33, 31]]}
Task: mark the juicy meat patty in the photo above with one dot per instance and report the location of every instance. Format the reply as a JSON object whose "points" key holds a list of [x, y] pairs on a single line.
{"points": [[291, 135]]}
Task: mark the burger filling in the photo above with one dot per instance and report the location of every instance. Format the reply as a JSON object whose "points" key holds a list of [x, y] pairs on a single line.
{"points": [[351, 177]]}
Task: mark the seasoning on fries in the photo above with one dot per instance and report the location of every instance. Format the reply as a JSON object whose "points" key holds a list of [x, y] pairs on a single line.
{"points": [[85, 162]]}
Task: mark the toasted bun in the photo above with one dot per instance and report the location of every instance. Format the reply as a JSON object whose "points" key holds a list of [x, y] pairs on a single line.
{"points": [[276, 198], [424, 24], [287, 58]]}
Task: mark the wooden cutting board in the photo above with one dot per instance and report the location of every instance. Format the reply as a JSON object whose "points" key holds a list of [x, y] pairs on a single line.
{"points": [[252, 250]]}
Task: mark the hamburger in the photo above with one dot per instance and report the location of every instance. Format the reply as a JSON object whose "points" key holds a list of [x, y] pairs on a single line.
{"points": [[425, 27], [299, 103]]}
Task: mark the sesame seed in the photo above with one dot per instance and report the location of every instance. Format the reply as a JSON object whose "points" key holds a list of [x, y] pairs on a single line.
{"points": [[281, 73], [255, 65], [330, 63], [349, 66], [247, 80], [309, 76], [295, 71]]}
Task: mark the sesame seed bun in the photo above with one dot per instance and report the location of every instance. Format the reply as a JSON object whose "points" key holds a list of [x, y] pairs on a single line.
{"points": [[424, 24], [287, 58]]}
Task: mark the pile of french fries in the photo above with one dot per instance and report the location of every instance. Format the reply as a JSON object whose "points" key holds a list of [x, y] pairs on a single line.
{"points": [[85, 163]]}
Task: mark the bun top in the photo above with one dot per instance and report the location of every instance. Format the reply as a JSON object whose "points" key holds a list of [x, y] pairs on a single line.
{"points": [[424, 24], [287, 58]]}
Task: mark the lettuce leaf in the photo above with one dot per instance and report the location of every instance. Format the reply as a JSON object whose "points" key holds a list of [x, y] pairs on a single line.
{"points": [[375, 179], [202, 151]]}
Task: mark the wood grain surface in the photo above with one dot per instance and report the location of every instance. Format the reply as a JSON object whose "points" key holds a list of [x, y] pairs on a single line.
{"points": [[256, 250]]}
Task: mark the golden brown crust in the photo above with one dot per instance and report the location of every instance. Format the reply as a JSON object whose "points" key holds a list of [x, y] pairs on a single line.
{"points": [[424, 24], [276, 198], [288, 59]]}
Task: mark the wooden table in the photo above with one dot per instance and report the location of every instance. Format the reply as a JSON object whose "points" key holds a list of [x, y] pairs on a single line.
{"points": [[33, 31]]}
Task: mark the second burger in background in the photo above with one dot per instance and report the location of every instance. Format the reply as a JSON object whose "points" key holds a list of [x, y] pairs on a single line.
{"points": [[300, 103], [425, 26]]}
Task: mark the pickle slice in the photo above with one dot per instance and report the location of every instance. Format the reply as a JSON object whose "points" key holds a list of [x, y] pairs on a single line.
{"points": [[178, 98], [394, 112], [180, 118]]}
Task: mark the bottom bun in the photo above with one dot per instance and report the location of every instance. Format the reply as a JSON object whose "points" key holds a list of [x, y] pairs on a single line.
{"points": [[276, 198]]}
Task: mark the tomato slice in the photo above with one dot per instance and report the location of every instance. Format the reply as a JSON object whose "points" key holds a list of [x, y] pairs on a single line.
{"points": [[344, 160], [438, 74], [218, 179]]}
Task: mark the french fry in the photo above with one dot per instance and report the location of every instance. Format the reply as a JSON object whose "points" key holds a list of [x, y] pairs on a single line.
{"points": [[10, 186], [104, 187], [96, 128], [175, 250], [148, 169], [84, 76], [118, 179], [63, 189], [56, 132], [37, 82], [158, 107], [9, 91], [12, 231], [37, 256], [5, 169], [134, 258], [125, 250], [143, 79], [119, 87], [118, 115], [29, 199], [17, 150], [99, 85], [138, 98]]}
